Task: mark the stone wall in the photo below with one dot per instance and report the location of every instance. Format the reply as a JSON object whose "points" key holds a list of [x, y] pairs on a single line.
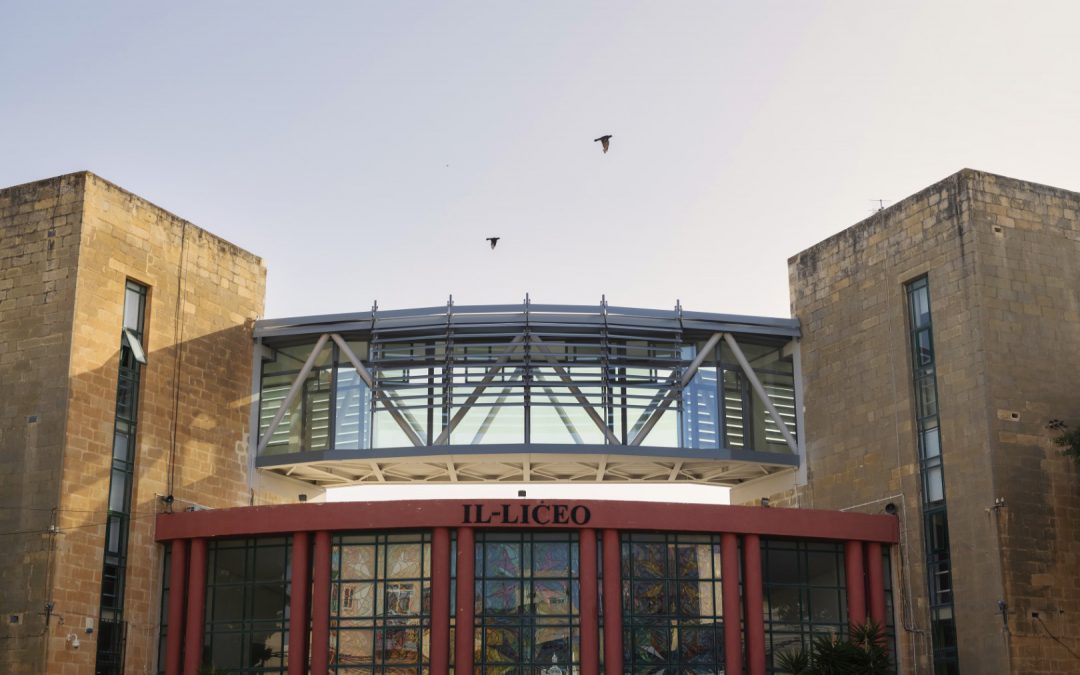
{"points": [[69, 246], [39, 247], [1028, 247], [1000, 256]]}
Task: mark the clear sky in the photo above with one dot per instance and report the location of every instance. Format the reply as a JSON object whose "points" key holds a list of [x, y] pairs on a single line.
{"points": [[365, 150]]}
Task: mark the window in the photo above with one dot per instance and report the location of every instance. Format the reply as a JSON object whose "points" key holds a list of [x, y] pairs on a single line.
{"points": [[380, 603], [247, 605], [672, 603], [527, 600], [110, 643]]}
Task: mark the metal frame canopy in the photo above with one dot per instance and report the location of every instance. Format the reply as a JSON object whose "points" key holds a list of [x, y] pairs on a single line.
{"points": [[526, 393]]}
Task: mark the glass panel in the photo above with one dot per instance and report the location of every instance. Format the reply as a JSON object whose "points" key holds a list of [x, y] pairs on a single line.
{"points": [[380, 602], [229, 565], [735, 391], [935, 488], [352, 405], [118, 491], [305, 424], [527, 614], [133, 309], [649, 560], [926, 397], [701, 410], [502, 559], [247, 601], [403, 561], [920, 304], [931, 445], [117, 529], [804, 593], [120, 446], [551, 559], [671, 608], [357, 562], [357, 599], [501, 596]]}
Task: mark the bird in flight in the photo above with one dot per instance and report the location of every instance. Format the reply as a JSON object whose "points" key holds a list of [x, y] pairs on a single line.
{"points": [[605, 141], [494, 240]]}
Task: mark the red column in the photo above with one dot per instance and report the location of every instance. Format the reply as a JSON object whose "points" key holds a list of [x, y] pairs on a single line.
{"points": [[298, 605], [729, 580], [754, 613], [613, 647], [466, 578], [590, 617], [440, 600], [196, 607], [320, 604], [856, 585], [875, 574], [177, 575]]}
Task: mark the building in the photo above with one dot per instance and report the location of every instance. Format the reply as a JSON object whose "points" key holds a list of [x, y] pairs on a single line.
{"points": [[125, 357], [167, 451], [939, 340]]}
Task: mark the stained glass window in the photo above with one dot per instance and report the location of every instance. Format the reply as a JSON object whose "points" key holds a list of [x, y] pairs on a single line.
{"points": [[527, 610], [672, 603], [380, 603]]}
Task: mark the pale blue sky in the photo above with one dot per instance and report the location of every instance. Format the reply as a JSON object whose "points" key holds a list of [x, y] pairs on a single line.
{"points": [[365, 150]]}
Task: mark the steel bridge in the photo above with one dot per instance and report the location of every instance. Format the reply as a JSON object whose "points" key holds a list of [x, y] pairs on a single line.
{"points": [[526, 393]]}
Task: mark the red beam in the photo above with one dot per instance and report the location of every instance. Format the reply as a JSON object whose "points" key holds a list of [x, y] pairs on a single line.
{"points": [[196, 608], [440, 600], [613, 653], [875, 576], [320, 604], [752, 596], [590, 621], [466, 578], [729, 580], [856, 583], [177, 576], [655, 516]]}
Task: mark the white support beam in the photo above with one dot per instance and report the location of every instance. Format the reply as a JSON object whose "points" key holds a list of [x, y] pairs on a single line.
{"points": [[581, 399], [385, 397], [687, 377], [675, 471], [760, 391], [473, 397], [375, 469], [297, 384]]}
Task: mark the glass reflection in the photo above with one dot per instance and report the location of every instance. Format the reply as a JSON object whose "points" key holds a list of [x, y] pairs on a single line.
{"points": [[527, 613], [672, 619], [558, 390]]}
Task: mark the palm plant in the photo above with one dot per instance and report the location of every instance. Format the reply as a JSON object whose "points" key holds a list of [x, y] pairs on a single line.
{"points": [[862, 653]]}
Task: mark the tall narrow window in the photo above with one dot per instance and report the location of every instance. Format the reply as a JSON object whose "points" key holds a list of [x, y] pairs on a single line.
{"points": [[111, 638], [931, 472]]}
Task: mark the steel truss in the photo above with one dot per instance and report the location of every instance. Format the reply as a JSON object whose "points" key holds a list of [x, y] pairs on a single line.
{"points": [[429, 371]]}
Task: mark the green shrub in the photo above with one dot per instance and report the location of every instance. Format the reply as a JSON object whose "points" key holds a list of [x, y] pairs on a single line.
{"points": [[862, 653]]}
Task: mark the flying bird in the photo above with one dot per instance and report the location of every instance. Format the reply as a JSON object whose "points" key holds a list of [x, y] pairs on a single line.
{"points": [[494, 240], [605, 141]]}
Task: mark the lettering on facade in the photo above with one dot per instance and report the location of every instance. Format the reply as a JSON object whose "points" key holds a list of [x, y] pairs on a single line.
{"points": [[525, 514]]}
